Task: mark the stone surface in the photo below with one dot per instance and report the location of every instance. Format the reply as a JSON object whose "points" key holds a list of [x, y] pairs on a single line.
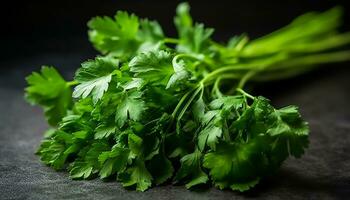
{"points": [[322, 173]]}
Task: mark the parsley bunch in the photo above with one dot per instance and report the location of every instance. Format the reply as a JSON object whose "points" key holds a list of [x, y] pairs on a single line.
{"points": [[151, 109]]}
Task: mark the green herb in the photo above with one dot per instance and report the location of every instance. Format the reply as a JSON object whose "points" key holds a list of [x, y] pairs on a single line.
{"points": [[151, 109]]}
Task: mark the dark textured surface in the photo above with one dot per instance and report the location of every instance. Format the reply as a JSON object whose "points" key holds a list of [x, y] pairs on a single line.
{"points": [[322, 173]]}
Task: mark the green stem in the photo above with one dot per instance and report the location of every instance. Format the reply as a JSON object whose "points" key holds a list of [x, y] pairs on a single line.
{"points": [[323, 58], [231, 76], [213, 74], [198, 57], [171, 40], [216, 88], [72, 83], [188, 103], [245, 93], [246, 77], [278, 63], [226, 133], [183, 98]]}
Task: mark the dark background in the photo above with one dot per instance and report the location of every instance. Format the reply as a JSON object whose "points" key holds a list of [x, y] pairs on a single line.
{"points": [[59, 26], [53, 32]]}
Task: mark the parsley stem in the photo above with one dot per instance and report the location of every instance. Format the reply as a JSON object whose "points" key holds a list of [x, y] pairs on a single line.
{"points": [[291, 67], [183, 98], [216, 88], [72, 83], [213, 74], [245, 93], [171, 40], [231, 76], [246, 77], [188, 103], [198, 57], [225, 132], [321, 58]]}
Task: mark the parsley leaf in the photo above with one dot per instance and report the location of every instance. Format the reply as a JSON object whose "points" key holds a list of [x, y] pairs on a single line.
{"points": [[131, 107], [236, 165], [124, 35], [104, 131], [193, 38], [94, 77], [137, 175], [153, 66], [51, 91], [161, 168], [88, 166], [114, 35], [209, 136], [81, 170], [180, 74], [191, 170], [113, 161]]}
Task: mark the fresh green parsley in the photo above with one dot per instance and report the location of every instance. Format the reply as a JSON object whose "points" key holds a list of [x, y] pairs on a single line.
{"points": [[152, 109]]}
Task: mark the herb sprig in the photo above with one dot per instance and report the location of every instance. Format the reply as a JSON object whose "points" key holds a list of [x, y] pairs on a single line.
{"points": [[151, 108]]}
